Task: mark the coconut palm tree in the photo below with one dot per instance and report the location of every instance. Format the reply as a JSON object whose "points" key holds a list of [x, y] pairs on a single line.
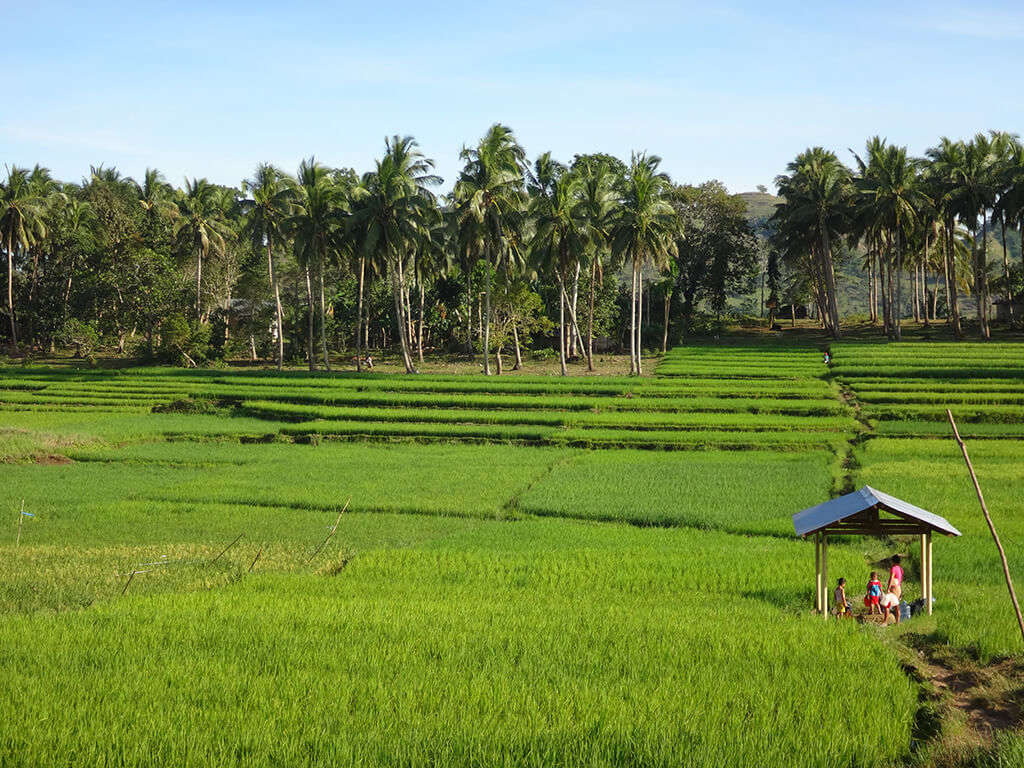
{"points": [[817, 207], [314, 225], [973, 194], [1007, 151], [390, 219], [941, 178], [200, 228], [596, 208], [643, 232], [559, 240], [21, 209], [890, 192], [489, 203], [271, 200]]}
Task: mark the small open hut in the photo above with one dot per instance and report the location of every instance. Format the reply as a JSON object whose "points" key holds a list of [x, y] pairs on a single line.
{"points": [[861, 514]]}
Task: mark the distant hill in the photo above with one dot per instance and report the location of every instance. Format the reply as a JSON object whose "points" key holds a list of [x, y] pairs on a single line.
{"points": [[760, 205]]}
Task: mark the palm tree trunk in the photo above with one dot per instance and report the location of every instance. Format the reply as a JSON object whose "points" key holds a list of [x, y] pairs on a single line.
{"points": [[561, 324], [397, 289], [419, 336], [664, 335], [830, 280], [916, 291], [359, 316], [639, 318], [952, 289], [573, 351], [323, 320], [899, 283], [199, 285], [309, 335], [871, 288], [1006, 268], [487, 322], [590, 315], [469, 311], [980, 277], [10, 289], [515, 341], [632, 326], [278, 312]]}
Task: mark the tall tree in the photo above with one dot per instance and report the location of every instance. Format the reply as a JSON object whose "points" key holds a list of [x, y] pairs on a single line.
{"points": [[314, 225], [21, 209], [560, 237], [271, 200], [391, 217], [891, 193], [644, 232], [201, 229], [489, 199], [817, 207], [596, 209]]}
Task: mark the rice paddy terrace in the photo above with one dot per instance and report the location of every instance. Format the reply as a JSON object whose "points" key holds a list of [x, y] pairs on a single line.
{"points": [[528, 571]]}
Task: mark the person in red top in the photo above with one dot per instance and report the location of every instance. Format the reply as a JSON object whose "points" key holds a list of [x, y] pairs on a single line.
{"points": [[874, 593]]}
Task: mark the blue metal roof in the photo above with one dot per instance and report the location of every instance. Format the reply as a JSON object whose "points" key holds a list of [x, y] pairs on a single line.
{"points": [[821, 515]]}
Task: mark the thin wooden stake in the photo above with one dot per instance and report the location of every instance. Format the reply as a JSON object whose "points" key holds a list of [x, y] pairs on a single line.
{"points": [[21, 517], [260, 552], [329, 535], [988, 519], [130, 577], [229, 546]]}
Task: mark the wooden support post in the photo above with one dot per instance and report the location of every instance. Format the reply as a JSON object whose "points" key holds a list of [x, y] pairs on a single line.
{"points": [[930, 595], [817, 572], [21, 516], [824, 575], [924, 568]]}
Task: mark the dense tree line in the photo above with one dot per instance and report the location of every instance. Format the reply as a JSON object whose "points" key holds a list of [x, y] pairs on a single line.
{"points": [[299, 267], [923, 221]]}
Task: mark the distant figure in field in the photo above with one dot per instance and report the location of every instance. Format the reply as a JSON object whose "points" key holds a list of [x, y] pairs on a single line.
{"points": [[842, 604], [827, 357], [369, 362]]}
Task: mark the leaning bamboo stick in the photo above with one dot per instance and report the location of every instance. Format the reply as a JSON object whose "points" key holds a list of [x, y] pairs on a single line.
{"points": [[229, 546], [329, 535], [988, 519]]}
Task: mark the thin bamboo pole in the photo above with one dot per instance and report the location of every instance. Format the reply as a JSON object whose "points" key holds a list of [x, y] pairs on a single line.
{"points": [[229, 546], [333, 529], [991, 527]]}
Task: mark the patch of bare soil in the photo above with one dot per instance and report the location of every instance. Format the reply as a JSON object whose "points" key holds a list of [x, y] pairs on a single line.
{"points": [[50, 459], [965, 703], [991, 697]]}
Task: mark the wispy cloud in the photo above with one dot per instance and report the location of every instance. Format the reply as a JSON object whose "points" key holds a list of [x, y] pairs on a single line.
{"points": [[994, 25]]}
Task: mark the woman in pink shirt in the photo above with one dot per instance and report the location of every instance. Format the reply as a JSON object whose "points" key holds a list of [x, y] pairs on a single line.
{"points": [[895, 577]]}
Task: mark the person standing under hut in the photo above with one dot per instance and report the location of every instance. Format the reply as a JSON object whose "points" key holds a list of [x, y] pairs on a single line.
{"points": [[895, 578], [893, 591]]}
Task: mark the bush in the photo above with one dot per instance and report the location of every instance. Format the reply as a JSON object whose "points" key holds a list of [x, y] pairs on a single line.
{"points": [[184, 342], [84, 337]]}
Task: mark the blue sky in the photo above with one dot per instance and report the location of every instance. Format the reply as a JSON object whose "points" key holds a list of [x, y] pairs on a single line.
{"points": [[729, 90]]}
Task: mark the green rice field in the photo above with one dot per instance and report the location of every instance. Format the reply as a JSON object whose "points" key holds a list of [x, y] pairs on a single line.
{"points": [[528, 570]]}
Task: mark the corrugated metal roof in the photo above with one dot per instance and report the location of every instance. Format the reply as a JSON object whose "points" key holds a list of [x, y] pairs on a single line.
{"points": [[817, 517]]}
